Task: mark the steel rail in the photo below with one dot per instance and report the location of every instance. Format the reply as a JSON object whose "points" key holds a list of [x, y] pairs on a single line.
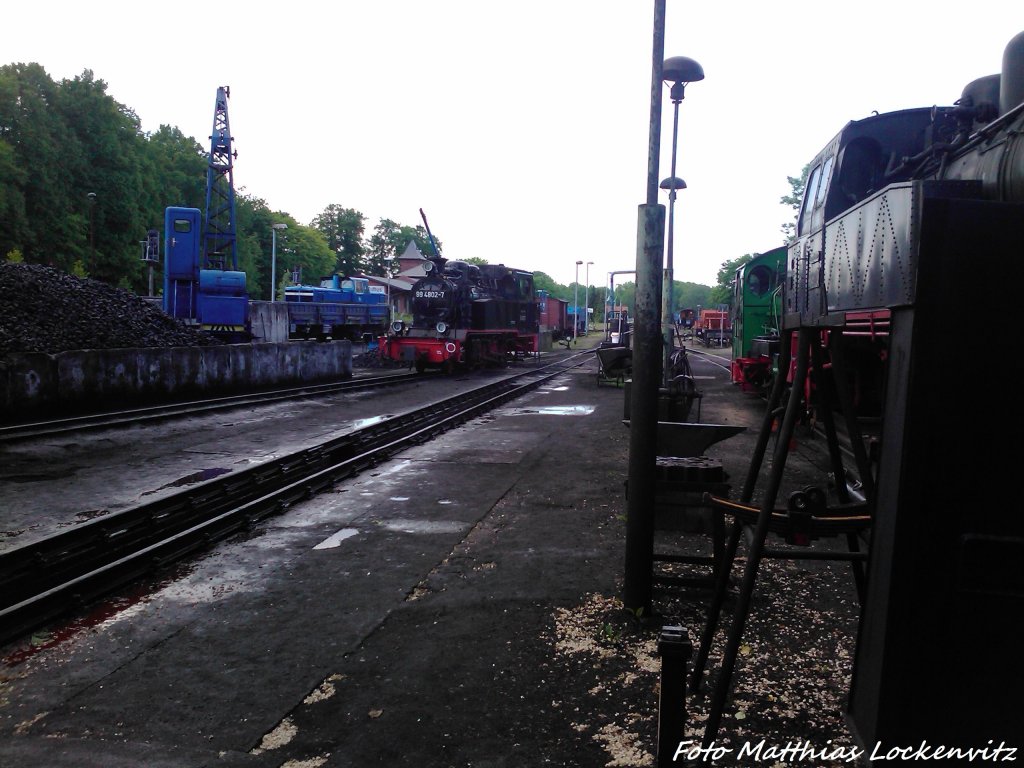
{"points": [[52, 576], [709, 357], [27, 431]]}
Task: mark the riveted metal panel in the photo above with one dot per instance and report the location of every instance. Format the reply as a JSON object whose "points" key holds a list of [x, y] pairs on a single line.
{"points": [[870, 253]]}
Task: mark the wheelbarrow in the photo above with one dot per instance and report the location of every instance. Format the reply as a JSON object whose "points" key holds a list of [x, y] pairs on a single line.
{"points": [[614, 364]]}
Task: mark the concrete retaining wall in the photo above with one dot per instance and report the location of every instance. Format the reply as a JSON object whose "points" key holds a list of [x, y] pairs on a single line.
{"points": [[89, 379], [268, 320]]}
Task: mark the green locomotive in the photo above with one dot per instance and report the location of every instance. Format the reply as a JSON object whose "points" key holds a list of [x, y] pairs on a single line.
{"points": [[757, 317]]}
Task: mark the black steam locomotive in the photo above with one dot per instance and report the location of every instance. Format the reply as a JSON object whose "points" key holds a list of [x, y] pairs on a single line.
{"points": [[466, 315], [907, 217]]}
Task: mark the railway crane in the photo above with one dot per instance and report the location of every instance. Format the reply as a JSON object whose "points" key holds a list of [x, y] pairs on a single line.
{"points": [[202, 282]]}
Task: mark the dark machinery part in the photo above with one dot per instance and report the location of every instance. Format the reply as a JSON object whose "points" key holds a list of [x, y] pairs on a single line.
{"points": [[433, 243]]}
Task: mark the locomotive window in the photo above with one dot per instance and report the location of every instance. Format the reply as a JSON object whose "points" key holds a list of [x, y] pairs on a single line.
{"points": [[182, 225], [860, 171], [810, 193], [823, 181], [759, 281], [525, 286]]}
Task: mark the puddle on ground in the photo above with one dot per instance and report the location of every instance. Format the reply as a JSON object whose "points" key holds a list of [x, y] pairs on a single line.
{"points": [[362, 423], [196, 477], [422, 526], [550, 410], [335, 539]]}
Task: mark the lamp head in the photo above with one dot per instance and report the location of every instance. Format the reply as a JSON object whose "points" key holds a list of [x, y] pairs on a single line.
{"points": [[672, 183], [681, 70]]}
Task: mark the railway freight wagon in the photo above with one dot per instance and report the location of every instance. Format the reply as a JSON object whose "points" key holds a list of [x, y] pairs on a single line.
{"points": [[553, 315], [713, 326], [466, 315], [336, 309]]}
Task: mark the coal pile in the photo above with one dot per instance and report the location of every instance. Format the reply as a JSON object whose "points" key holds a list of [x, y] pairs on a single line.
{"points": [[45, 310]]}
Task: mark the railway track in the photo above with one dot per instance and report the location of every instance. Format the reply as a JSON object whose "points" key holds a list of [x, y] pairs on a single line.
{"points": [[28, 431], [42, 580]]}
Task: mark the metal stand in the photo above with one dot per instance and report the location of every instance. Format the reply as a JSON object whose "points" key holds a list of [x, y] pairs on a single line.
{"points": [[808, 358], [675, 649]]}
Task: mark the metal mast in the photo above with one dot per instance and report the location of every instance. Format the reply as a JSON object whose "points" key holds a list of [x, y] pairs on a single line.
{"points": [[219, 233]]}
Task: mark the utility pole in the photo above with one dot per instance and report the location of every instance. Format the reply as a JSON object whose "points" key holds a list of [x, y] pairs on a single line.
{"points": [[647, 341]]}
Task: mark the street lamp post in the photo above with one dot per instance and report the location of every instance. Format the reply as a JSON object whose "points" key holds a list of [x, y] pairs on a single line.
{"points": [[647, 339], [273, 258], [92, 228], [586, 301], [672, 184], [646, 343], [678, 70], [576, 301]]}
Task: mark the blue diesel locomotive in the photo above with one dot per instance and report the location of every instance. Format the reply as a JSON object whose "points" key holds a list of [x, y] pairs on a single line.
{"points": [[338, 308]]}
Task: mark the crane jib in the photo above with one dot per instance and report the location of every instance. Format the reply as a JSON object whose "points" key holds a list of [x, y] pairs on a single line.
{"points": [[429, 235]]}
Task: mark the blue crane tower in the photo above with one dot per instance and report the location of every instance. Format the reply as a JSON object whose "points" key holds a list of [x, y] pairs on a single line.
{"points": [[202, 283], [219, 239]]}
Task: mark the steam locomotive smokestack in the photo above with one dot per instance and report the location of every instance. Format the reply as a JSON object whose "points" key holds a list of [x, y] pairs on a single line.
{"points": [[1011, 88]]}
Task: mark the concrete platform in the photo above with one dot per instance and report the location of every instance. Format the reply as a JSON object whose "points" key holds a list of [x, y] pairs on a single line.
{"points": [[420, 614]]}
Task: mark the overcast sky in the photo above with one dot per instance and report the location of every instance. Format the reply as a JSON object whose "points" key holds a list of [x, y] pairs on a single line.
{"points": [[521, 127]]}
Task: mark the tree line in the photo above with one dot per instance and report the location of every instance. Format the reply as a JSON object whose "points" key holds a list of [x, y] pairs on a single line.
{"points": [[81, 184]]}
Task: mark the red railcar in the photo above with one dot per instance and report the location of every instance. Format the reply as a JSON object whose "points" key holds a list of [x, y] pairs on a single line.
{"points": [[714, 326], [554, 315]]}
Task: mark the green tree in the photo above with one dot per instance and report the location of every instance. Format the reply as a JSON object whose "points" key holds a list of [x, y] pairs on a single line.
{"points": [[598, 296], [544, 282], [723, 290], [253, 241], [172, 168], [625, 296], [389, 240], [14, 225], [109, 136], [690, 295], [175, 171], [300, 249], [793, 199], [343, 229], [55, 224], [79, 182]]}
